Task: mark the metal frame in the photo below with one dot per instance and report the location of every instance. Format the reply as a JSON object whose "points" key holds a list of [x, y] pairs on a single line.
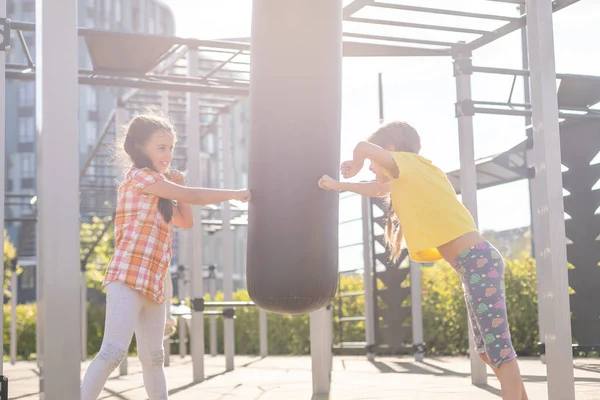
{"points": [[58, 202], [442, 48], [551, 248], [468, 176]]}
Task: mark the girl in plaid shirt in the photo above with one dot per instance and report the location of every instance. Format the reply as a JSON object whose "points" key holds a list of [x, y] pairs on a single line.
{"points": [[152, 199]]}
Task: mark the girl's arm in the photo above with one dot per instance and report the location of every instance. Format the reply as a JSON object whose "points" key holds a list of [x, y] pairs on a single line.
{"points": [[194, 195], [369, 189], [183, 216], [366, 150]]}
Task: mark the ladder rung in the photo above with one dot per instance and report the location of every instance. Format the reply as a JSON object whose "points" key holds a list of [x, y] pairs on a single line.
{"points": [[352, 319], [352, 294]]}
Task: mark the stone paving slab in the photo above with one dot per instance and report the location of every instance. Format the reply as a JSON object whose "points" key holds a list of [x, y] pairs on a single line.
{"points": [[289, 378]]}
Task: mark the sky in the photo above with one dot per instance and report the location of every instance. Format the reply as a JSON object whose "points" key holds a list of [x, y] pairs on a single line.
{"points": [[422, 90]]}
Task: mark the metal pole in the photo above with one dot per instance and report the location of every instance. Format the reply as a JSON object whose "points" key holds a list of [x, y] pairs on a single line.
{"points": [[212, 284], [227, 237], [380, 91], [552, 250], [321, 334], [58, 199], [83, 305], [2, 157], [181, 290], [120, 121], [534, 195], [195, 235], [264, 332], [168, 278], [368, 279], [468, 175], [416, 310], [13, 312]]}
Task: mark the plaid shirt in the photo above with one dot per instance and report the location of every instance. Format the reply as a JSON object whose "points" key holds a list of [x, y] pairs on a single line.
{"points": [[142, 237]]}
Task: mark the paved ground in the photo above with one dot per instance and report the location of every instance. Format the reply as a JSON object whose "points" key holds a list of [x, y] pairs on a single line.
{"points": [[289, 378]]}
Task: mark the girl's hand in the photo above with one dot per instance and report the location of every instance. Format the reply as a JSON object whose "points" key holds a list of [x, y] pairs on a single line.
{"points": [[243, 195], [176, 177], [350, 168], [328, 183]]}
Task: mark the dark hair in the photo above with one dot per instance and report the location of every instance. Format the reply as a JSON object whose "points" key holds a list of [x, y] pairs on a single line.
{"points": [[138, 132], [401, 137]]}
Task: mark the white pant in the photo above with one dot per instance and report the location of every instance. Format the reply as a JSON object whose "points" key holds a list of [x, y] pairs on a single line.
{"points": [[128, 310]]}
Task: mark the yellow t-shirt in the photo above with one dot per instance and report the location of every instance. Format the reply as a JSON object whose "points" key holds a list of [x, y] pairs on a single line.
{"points": [[427, 207]]}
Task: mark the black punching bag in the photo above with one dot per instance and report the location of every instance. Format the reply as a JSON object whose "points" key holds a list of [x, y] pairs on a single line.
{"points": [[295, 100]]}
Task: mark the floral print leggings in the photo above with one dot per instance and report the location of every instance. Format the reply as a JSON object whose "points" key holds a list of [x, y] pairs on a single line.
{"points": [[481, 270]]}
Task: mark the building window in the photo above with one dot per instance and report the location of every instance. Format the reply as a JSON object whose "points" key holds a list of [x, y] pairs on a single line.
{"points": [[27, 165], [26, 130], [28, 278], [26, 94]]}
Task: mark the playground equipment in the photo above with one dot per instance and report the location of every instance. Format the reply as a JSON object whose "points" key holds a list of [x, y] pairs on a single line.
{"points": [[58, 255]]}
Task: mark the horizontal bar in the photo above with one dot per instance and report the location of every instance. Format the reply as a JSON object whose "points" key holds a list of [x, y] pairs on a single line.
{"points": [[162, 77], [520, 2], [527, 113], [352, 319], [174, 40], [346, 246], [352, 294], [528, 106], [455, 13], [399, 40], [522, 72], [418, 26], [140, 84], [209, 312], [229, 304], [352, 271], [350, 221]]}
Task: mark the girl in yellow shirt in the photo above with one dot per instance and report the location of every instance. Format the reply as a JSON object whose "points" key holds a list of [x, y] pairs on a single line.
{"points": [[425, 212]]}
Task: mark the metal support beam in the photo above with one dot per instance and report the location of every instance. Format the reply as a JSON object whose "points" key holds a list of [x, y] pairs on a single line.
{"points": [[212, 284], [58, 200], [263, 332], [416, 310], [552, 250], [168, 278], [321, 342], [368, 278], [195, 235], [468, 177], [13, 311], [533, 192], [2, 156], [227, 238], [120, 121], [455, 13], [83, 310]]}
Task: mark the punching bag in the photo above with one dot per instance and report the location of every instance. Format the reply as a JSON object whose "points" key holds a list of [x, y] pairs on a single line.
{"points": [[295, 102]]}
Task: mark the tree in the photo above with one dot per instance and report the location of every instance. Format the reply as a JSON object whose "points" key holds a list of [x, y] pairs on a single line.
{"points": [[97, 248], [9, 255]]}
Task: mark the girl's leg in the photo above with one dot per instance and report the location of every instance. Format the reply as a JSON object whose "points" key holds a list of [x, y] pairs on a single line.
{"points": [[486, 360], [149, 334], [483, 274], [122, 308]]}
